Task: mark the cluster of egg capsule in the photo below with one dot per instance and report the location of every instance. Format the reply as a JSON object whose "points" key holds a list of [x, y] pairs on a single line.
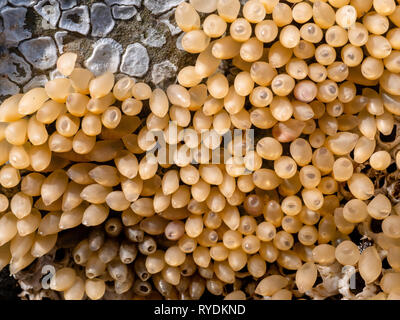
{"points": [[188, 225]]}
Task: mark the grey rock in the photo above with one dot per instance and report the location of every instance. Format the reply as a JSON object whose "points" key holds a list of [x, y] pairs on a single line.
{"points": [[124, 2], [40, 52], [55, 74], [135, 61], [23, 3], [7, 87], [123, 12], [14, 22], [67, 4], [160, 6], [102, 21], [106, 56], [162, 71], [15, 68], [3, 3], [59, 37], [49, 10], [76, 19], [38, 81], [166, 19], [153, 38]]}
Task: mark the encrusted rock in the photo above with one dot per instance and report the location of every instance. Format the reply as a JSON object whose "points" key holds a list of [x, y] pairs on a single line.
{"points": [[123, 12], [49, 10], [124, 2], [105, 57], [166, 19], [135, 61], [7, 87], [160, 6], [162, 71], [59, 37], [35, 82], [15, 68], [67, 4], [102, 21], [153, 38], [76, 19], [40, 52], [23, 3], [14, 21]]}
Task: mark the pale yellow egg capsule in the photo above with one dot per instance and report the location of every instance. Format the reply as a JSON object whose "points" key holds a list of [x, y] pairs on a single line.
{"points": [[379, 207], [214, 26], [101, 85], [266, 31], [66, 63], [347, 253], [123, 88], [188, 77], [384, 7], [204, 6], [289, 36], [195, 41], [370, 264], [361, 186], [302, 12], [254, 11], [228, 9], [80, 79], [32, 101], [186, 17], [282, 14], [346, 16], [58, 89], [306, 276], [240, 30]]}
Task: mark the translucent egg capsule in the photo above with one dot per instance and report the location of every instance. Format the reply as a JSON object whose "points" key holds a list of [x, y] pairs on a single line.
{"points": [[251, 50], [306, 276], [9, 109], [361, 186], [58, 89], [323, 14], [102, 85], [8, 227], [302, 12], [341, 143], [311, 32], [195, 41], [186, 17], [278, 55], [225, 48], [63, 279], [379, 207], [282, 14], [240, 30], [16, 132], [370, 265], [31, 101], [80, 79], [384, 7], [228, 9], [378, 46], [391, 226]]}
